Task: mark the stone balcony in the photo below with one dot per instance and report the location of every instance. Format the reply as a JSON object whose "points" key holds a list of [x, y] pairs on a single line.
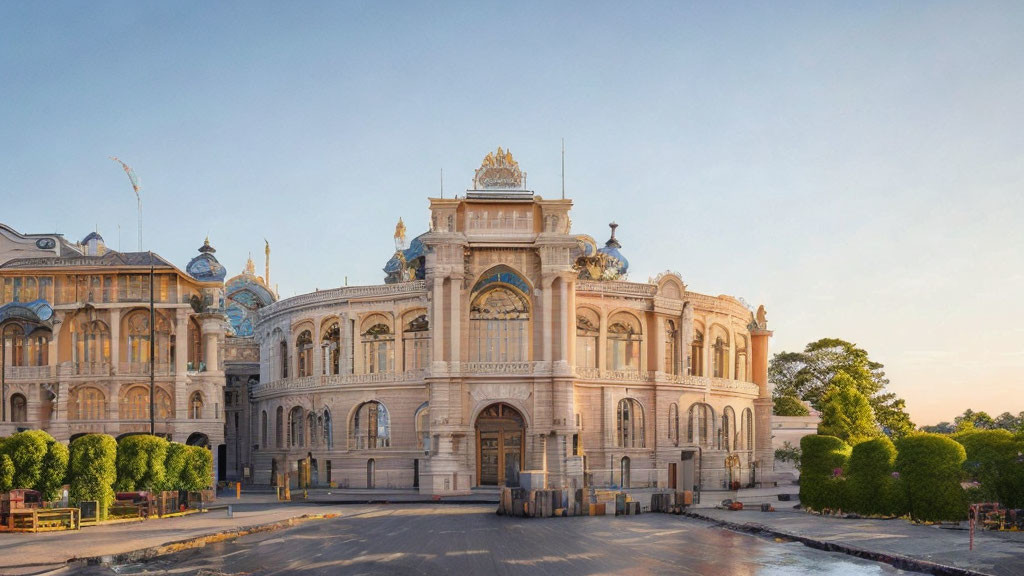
{"points": [[30, 373]]}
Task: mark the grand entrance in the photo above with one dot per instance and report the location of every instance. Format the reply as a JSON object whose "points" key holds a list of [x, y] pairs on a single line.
{"points": [[500, 438]]}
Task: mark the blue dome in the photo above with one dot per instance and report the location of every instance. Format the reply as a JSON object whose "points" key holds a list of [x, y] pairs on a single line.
{"points": [[414, 255], [616, 261], [205, 267]]}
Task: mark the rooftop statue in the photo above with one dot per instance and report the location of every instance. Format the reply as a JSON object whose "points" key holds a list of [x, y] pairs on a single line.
{"points": [[498, 171]]}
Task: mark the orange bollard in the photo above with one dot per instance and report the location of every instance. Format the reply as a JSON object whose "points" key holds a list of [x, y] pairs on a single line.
{"points": [[238, 490]]}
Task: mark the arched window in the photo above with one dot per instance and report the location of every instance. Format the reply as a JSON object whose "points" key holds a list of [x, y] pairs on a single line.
{"points": [[87, 403], [740, 371], [14, 344], [135, 404], [282, 354], [371, 428], [416, 343], [295, 427], [499, 319], [588, 326], [423, 427], [279, 427], [38, 348], [629, 424], [304, 354], [378, 346], [331, 344], [624, 342], [671, 336], [263, 429], [19, 408], [697, 354], [195, 404], [727, 435], [700, 425], [328, 430], [624, 472], [720, 357], [90, 342], [747, 435], [137, 328], [673, 424]]}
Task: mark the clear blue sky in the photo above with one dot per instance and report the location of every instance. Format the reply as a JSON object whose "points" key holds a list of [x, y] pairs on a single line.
{"points": [[857, 167]]}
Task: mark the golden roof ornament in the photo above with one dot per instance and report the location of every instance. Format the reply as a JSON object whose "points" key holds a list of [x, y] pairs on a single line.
{"points": [[498, 171], [400, 235], [250, 266]]}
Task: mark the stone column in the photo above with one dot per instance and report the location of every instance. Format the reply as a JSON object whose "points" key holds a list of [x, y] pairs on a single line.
{"points": [[659, 344], [437, 321], [181, 342], [565, 326], [763, 452], [730, 370], [399, 361], [602, 342], [547, 285], [570, 315], [456, 317], [317, 364], [115, 339], [348, 344]]}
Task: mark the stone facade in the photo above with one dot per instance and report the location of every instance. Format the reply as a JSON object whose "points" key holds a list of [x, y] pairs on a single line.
{"points": [[503, 341]]}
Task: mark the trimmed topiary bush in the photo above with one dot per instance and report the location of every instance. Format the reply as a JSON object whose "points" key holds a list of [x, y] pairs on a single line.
{"points": [[6, 472], [872, 487], [39, 462], [930, 468], [197, 473], [789, 406], [992, 461], [822, 457], [54, 470], [174, 464], [140, 463], [92, 470]]}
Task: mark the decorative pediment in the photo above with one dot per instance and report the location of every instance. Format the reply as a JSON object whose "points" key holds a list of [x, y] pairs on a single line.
{"points": [[499, 171]]}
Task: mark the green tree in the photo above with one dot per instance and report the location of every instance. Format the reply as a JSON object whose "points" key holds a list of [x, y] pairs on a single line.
{"points": [[197, 473], [846, 413], [40, 462], [53, 470], [174, 464], [789, 406], [992, 460], [140, 463], [940, 428], [92, 470], [930, 468], [808, 374], [6, 473]]}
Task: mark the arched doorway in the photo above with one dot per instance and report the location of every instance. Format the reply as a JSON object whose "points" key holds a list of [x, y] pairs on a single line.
{"points": [[198, 439], [500, 444]]}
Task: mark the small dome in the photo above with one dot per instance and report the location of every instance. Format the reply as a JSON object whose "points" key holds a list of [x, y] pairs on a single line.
{"points": [[205, 267], [616, 261], [92, 236]]}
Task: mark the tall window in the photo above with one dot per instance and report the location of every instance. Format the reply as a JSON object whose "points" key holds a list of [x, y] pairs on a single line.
{"points": [[195, 345], [587, 332], [90, 342], [37, 348], [14, 344], [747, 435], [137, 324], [697, 354], [727, 435], [196, 405], [629, 424], [328, 430], [416, 343], [671, 336], [87, 403], [378, 349], [304, 354], [719, 360], [673, 424], [282, 353], [624, 342], [740, 371], [371, 428], [295, 427], [331, 344], [700, 425], [313, 428], [19, 408], [135, 404], [499, 320], [279, 427], [423, 426], [263, 429]]}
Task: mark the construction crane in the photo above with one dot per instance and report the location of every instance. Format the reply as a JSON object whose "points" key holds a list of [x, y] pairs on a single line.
{"points": [[135, 186]]}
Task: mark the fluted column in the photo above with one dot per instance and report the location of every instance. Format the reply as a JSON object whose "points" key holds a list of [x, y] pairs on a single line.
{"points": [[546, 312], [455, 285]]}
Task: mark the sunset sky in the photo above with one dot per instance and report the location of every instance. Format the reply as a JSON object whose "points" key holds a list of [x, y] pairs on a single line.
{"points": [[856, 167]]}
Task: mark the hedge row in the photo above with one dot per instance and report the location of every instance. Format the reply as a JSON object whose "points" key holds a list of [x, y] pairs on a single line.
{"points": [[993, 460], [919, 476], [96, 465]]}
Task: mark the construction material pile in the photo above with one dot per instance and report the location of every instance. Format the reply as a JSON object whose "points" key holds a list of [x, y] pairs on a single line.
{"points": [[588, 502]]}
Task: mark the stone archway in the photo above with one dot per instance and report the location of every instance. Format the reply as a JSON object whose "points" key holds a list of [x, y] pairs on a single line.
{"points": [[500, 443]]}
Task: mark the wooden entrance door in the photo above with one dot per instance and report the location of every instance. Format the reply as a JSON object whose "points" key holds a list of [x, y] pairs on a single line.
{"points": [[500, 438]]}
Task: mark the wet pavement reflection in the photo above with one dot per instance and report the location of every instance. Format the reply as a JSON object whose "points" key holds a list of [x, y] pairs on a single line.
{"points": [[432, 539]]}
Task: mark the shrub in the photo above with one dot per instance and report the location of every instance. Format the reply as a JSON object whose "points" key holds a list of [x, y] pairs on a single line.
{"points": [[140, 463], [789, 406], [197, 472], [92, 470], [6, 472], [846, 412], [821, 457], [788, 453], [174, 464], [53, 471], [992, 461], [872, 487], [39, 462], [930, 471]]}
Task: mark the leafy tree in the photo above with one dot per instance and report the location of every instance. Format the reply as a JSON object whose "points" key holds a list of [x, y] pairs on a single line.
{"points": [[40, 462], [846, 413], [1007, 421], [6, 473], [992, 461], [789, 406], [808, 374], [930, 469], [789, 453], [971, 420], [174, 464], [92, 470], [140, 463], [940, 428], [197, 474]]}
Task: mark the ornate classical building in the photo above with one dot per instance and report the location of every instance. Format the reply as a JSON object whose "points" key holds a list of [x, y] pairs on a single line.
{"points": [[502, 341], [76, 332]]}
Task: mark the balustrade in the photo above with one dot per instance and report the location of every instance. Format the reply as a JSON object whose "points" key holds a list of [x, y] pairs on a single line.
{"points": [[29, 372]]}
